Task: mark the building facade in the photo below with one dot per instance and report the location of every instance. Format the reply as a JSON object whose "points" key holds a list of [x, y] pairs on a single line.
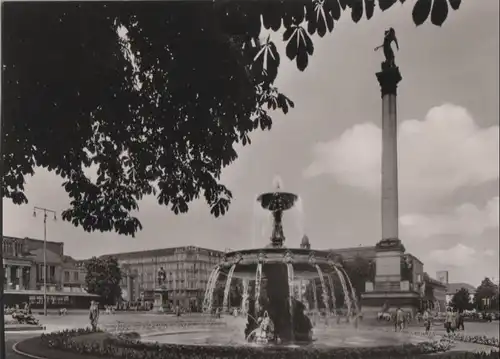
{"points": [[187, 271], [23, 264], [73, 275], [426, 292], [23, 261], [434, 294]]}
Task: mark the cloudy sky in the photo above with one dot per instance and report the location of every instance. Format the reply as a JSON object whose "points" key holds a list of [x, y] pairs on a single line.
{"points": [[328, 150]]}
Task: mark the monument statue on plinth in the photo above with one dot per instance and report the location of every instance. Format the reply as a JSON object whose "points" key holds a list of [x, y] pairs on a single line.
{"points": [[390, 275], [389, 38], [161, 293], [162, 277]]}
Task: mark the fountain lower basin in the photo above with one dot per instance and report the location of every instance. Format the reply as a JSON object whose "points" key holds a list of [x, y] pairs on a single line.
{"points": [[327, 337]]}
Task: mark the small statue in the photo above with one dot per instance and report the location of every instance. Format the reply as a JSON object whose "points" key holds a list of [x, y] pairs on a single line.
{"points": [[288, 258], [265, 332], [389, 37], [312, 259], [162, 276]]}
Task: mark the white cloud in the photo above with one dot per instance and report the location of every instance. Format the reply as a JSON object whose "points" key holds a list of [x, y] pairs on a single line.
{"points": [[459, 255], [465, 220], [444, 152]]}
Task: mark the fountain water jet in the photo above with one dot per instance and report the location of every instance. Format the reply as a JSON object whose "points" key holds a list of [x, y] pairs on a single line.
{"points": [[347, 300], [353, 291], [258, 283], [244, 299], [323, 288], [227, 288], [332, 290], [209, 293]]}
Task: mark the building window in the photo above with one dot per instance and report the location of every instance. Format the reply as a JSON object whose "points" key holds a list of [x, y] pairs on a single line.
{"points": [[66, 276], [75, 276]]}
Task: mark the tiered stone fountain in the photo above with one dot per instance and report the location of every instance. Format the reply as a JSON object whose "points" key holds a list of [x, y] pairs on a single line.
{"points": [[275, 277]]}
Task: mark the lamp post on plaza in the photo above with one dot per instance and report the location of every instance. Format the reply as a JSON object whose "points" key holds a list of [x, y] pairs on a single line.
{"points": [[46, 212]]}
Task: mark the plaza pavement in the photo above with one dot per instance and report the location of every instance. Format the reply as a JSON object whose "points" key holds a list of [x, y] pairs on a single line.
{"points": [[80, 320]]}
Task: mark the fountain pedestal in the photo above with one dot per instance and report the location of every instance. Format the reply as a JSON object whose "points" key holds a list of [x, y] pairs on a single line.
{"points": [[389, 289]]}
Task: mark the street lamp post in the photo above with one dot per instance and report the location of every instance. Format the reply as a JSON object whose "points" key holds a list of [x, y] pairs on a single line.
{"points": [[46, 212]]}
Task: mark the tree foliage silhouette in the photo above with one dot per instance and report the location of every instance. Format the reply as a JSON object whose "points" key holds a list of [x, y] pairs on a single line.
{"points": [[461, 300], [486, 296], [157, 111], [103, 278]]}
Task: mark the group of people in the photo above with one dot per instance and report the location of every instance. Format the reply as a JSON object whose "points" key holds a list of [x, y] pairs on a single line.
{"points": [[401, 320], [453, 321]]}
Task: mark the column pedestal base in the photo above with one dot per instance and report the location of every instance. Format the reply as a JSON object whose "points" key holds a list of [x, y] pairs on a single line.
{"points": [[160, 300], [373, 302]]}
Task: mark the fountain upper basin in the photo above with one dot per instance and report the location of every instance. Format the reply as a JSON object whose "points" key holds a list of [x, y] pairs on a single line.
{"points": [[304, 261], [277, 201]]}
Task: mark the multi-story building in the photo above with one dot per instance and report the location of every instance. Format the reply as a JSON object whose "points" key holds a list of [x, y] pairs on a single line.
{"points": [[23, 261], [73, 275], [187, 270]]}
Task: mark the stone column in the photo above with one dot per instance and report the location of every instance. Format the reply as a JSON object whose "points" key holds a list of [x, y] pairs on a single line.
{"points": [[137, 290], [9, 278], [129, 287], [20, 273], [32, 281], [388, 79], [389, 249]]}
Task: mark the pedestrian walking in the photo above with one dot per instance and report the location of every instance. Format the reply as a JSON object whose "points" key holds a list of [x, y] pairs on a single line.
{"points": [[400, 317], [460, 321], [427, 318]]}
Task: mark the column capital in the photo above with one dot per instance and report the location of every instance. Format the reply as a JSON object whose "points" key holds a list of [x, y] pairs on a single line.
{"points": [[389, 245], [389, 79]]}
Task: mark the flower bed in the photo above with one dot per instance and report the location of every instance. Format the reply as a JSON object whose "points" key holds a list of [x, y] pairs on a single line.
{"points": [[101, 344], [121, 327], [476, 339]]}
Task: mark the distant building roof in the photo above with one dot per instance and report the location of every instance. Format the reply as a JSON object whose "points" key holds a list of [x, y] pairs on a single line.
{"points": [[455, 287], [352, 252], [367, 252], [160, 252], [9, 238], [433, 282], [50, 256]]}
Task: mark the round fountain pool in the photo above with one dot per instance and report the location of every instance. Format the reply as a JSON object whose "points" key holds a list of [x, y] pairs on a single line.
{"points": [[339, 336]]}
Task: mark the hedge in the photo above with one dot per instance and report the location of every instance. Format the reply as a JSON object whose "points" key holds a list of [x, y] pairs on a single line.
{"points": [[127, 346]]}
